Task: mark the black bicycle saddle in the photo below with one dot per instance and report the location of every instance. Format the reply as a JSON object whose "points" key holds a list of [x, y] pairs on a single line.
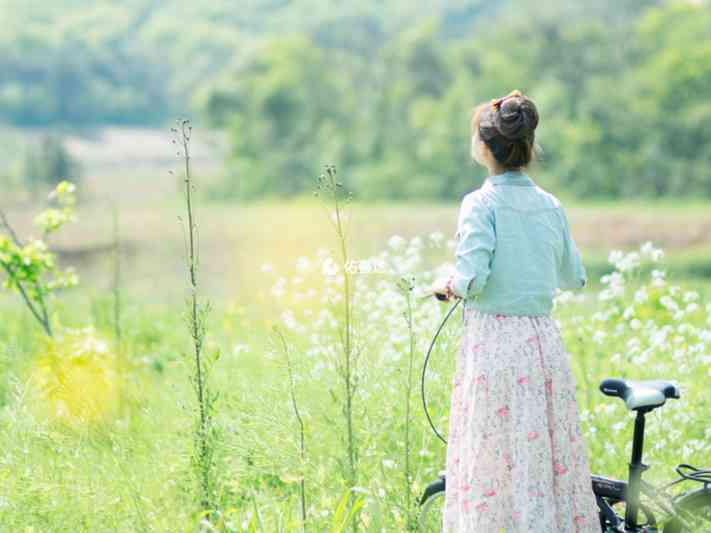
{"points": [[637, 394]]}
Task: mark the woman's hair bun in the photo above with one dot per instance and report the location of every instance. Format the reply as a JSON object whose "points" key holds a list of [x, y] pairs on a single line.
{"points": [[507, 126], [516, 116]]}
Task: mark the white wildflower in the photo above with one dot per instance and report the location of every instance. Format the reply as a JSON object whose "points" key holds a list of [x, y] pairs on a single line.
{"points": [[691, 296], [287, 317], [629, 262], [615, 256], [437, 237], [658, 278], [599, 336], [388, 463], [329, 267], [278, 288], [396, 242], [303, 263], [641, 295], [239, 348]]}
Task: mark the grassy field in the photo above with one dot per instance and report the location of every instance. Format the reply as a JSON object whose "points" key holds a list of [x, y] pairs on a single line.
{"points": [[237, 239], [130, 468]]}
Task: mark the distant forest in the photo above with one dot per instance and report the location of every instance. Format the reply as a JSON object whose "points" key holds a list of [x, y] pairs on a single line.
{"points": [[381, 89]]}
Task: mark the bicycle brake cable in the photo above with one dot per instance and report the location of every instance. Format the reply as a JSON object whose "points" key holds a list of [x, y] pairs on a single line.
{"points": [[424, 368]]}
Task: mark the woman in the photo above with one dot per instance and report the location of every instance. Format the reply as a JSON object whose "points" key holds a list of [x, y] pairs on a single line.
{"points": [[516, 458]]}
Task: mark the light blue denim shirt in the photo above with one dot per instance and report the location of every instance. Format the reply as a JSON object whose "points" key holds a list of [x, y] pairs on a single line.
{"points": [[514, 248]]}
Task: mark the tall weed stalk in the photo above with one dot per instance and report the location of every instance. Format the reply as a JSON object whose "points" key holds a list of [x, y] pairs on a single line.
{"points": [[196, 316], [406, 286], [116, 280], [300, 421], [332, 192]]}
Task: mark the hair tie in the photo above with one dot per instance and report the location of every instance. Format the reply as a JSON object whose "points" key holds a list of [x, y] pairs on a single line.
{"points": [[496, 103]]}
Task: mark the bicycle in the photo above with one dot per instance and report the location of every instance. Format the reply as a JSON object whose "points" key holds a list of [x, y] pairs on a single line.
{"points": [[687, 512]]}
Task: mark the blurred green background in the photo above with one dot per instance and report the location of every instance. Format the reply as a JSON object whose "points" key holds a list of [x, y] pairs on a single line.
{"points": [[383, 90]]}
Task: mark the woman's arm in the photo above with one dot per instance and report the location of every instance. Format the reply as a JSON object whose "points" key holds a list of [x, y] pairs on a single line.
{"points": [[572, 273], [475, 247]]}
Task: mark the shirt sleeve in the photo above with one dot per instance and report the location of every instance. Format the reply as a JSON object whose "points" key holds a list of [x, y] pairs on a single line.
{"points": [[475, 247], [572, 273]]}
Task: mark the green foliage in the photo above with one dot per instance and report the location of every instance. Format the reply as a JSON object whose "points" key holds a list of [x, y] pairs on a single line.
{"points": [[291, 107], [30, 268], [140, 61], [384, 91], [620, 94], [78, 63], [345, 514]]}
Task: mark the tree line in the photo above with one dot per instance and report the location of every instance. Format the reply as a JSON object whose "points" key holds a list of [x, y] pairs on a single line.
{"points": [[386, 93], [623, 96]]}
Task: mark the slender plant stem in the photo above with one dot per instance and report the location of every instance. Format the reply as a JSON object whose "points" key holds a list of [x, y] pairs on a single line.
{"points": [[8, 227], [117, 278], [45, 315], [347, 346], [347, 368], [44, 318], [411, 334], [347, 341], [26, 298], [197, 330], [302, 445]]}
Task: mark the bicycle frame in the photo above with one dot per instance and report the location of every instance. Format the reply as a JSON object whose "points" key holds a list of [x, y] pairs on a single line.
{"points": [[636, 467], [609, 490]]}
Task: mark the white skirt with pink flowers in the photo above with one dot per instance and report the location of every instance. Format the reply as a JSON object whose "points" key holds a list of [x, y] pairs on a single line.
{"points": [[517, 461]]}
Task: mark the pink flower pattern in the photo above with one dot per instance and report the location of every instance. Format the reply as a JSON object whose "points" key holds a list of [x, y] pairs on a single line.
{"points": [[516, 456]]}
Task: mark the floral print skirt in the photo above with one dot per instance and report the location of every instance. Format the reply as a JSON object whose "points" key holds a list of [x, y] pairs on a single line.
{"points": [[516, 458]]}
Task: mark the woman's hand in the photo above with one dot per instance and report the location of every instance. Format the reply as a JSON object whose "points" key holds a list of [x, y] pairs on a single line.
{"points": [[442, 289]]}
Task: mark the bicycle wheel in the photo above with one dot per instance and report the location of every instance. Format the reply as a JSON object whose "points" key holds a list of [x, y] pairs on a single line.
{"points": [[645, 516], [430, 517], [698, 505]]}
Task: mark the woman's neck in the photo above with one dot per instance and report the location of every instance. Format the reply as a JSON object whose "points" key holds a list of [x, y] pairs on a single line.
{"points": [[496, 170]]}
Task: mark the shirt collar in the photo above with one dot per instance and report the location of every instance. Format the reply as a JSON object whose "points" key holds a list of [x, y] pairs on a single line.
{"points": [[511, 177]]}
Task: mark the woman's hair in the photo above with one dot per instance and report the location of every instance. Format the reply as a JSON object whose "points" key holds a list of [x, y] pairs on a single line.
{"points": [[507, 125]]}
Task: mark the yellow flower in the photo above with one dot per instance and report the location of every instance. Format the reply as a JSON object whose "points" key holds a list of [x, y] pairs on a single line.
{"points": [[77, 378]]}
